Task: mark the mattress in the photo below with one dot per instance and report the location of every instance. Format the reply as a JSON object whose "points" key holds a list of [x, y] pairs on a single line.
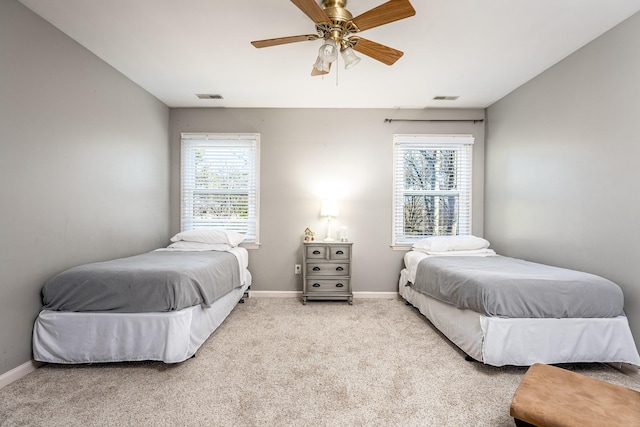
{"points": [[151, 282], [509, 287]]}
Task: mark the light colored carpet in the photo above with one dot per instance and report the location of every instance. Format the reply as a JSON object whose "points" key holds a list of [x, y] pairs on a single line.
{"points": [[276, 362]]}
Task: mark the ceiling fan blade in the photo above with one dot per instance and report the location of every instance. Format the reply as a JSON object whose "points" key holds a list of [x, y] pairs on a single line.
{"points": [[284, 40], [312, 9], [393, 10], [318, 72], [377, 51]]}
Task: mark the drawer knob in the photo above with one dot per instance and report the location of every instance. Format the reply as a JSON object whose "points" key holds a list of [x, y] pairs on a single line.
{"points": [[339, 253], [339, 285], [316, 252], [339, 268], [316, 285], [316, 268]]}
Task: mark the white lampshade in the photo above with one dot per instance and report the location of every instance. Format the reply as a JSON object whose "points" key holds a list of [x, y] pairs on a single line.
{"points": [[350, 58], [329, 208]]}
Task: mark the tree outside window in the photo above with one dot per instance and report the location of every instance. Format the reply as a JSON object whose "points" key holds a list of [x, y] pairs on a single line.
{"points": [[432, 186]]}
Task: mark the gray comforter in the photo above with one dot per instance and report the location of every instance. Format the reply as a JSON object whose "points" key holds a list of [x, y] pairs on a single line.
{"points": [[152, 282], [509, 287]]}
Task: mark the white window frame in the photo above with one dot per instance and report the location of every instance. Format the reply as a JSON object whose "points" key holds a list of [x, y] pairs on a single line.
{"points": [[250, 147], [403, 142]]}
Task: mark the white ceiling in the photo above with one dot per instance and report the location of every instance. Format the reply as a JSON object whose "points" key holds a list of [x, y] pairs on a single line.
{"points": [[477, 50]]}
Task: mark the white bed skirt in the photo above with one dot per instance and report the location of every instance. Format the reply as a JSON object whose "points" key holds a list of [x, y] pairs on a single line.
{"points": [[171, 337], [522, 342]]}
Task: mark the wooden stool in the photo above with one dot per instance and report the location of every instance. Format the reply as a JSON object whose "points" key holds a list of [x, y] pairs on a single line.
{"points": [[553, 397]]}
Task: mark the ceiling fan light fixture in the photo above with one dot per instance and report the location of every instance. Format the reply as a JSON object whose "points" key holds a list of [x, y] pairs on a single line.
{"points": [[321, 65], [350, 58], [328, 51]]}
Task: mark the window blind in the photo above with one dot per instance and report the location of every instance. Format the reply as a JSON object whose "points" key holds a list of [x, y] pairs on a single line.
{"points": [[432, 186], [219, 182]]}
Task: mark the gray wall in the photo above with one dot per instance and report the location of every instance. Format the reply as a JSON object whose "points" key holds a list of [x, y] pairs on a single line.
{"points": [[562, 169], [84, 167], [306, 151]]}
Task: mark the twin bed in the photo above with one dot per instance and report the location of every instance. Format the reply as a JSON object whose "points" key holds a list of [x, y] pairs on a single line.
{"points": [[164, 304], [505, 311], [160, 305]]}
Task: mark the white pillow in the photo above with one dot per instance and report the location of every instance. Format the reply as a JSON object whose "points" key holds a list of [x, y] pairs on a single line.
{"points": [[451, 243], [198, 246], [210, 235]]}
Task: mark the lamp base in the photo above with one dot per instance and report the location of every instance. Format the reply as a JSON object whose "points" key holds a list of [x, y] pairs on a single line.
{"points": [[329, 233]]}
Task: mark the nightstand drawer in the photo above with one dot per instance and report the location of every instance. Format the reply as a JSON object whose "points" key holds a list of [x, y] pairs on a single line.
{"points": [[333, 285], [340, 252], [328, 269], [316, 252]]}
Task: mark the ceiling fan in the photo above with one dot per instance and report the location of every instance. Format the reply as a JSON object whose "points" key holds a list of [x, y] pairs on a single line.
{"points": [[337, 27]]}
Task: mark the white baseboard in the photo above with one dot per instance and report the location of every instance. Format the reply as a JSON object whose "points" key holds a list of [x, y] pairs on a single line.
{"points": [[19, 372], [274, 294], [298, 294], [381, 295]]}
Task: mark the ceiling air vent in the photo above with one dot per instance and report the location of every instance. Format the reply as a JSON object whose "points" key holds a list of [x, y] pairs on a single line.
{"points": [[445, 98], [209, 96]]}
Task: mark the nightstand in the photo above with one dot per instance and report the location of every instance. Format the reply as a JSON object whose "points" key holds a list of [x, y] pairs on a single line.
{"points": [[326, 271]]}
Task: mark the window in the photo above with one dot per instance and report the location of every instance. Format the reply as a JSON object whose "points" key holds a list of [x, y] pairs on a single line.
{"points": [[219, 182], [432, 186]]}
